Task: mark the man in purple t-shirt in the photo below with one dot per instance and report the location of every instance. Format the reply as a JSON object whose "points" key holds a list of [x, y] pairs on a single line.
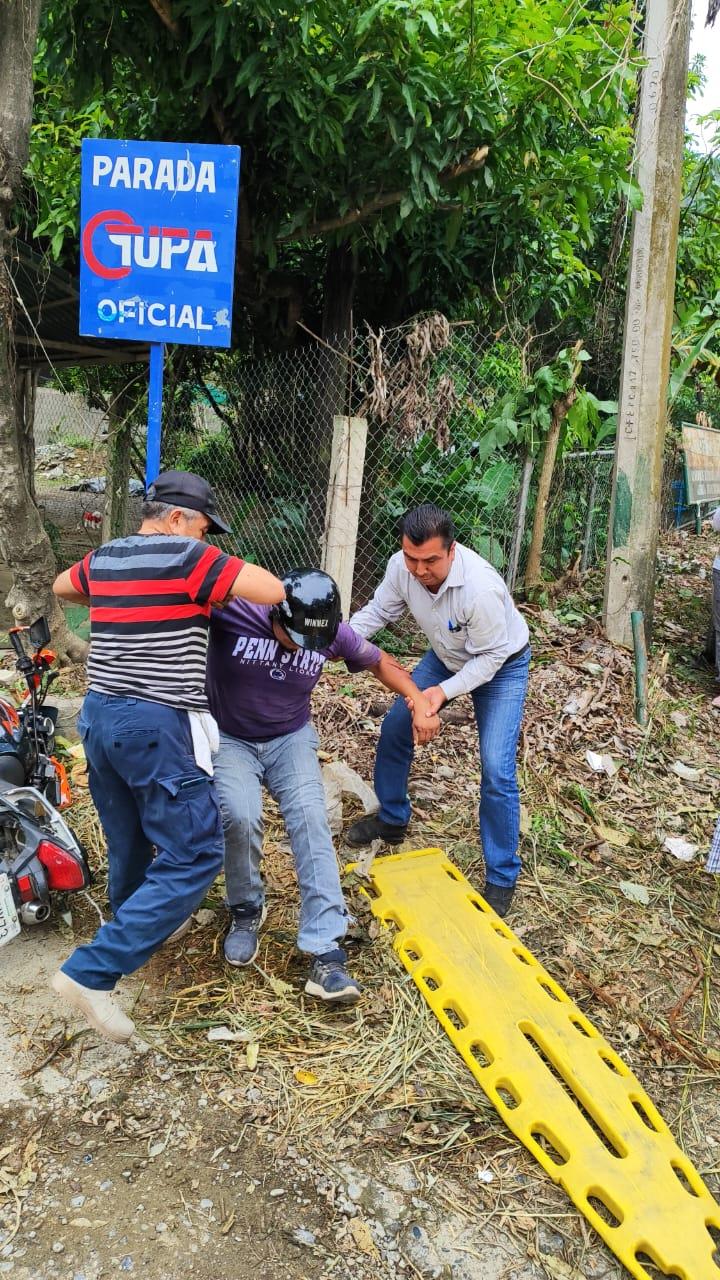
{"points": [[263, 665]]}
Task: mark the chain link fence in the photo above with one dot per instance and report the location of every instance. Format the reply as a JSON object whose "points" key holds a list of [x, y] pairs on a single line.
{"points": [[426, 391], [270, 439], [261, 432], [316, 453], [71, 460]]}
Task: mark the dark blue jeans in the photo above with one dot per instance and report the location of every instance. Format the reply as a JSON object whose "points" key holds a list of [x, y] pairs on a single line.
{"points": [[498, 715], [162, 825]]}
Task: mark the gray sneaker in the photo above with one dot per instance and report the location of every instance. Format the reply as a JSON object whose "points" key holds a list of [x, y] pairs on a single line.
{"points": [[241, 940], [329, 980]]}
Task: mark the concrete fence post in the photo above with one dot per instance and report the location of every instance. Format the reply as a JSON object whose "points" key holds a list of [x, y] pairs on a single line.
{"points": [[342, 512]]}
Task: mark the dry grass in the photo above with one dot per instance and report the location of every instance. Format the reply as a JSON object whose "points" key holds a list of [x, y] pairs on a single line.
{"points": [[383, 1075]]}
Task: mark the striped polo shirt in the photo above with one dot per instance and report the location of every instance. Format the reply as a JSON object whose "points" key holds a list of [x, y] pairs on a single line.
{"points": [[150, 600]]}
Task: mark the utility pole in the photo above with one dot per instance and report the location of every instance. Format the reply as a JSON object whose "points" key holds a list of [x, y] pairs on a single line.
{"points": [[642, 411]]}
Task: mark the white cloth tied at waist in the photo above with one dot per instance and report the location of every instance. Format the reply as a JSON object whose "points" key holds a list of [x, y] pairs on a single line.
{"points": [[205, 739]]}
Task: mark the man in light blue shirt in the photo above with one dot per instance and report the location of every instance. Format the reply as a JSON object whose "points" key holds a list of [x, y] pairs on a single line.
{"points": [[478, 645]]}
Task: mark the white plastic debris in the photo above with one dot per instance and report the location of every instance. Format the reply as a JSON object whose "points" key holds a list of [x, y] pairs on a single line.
{"points": [[680, 848], [227, 1034], [685, 772], [601, 764], [364, 860], [339, 778]]}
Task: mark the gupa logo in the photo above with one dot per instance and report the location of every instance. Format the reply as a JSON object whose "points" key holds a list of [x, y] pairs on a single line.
{"points": [[165, 248]]}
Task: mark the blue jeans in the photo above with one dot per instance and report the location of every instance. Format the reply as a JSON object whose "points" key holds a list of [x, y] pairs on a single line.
{"points": [[288, 766], [498, 714], [162, 825]]}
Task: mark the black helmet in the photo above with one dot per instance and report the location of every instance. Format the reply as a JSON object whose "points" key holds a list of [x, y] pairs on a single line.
{"points": [[310, 612]]}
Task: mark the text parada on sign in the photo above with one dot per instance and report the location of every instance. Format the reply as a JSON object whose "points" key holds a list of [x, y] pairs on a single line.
{"points": [[142, 173]]}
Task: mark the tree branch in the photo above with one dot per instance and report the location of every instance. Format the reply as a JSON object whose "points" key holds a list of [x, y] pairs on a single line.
{"points": [[220, 120], [164, 13], [560, 411], [224, 416], [474, 161]]}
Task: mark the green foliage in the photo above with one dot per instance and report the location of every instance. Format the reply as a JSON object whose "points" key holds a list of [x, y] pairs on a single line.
{"points": [[570, 517], [54, 167], [279, 542], [387, 640], [378, 107], [477, 495], [271, 521], [695, 344], [477, 479], [698, 266], [699, 393], [213, 457], [60, 122], [73, 441], [523, 415], [696, 330]]}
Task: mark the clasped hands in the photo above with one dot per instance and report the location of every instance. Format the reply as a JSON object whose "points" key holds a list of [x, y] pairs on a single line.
{"points": [[424, 711]]}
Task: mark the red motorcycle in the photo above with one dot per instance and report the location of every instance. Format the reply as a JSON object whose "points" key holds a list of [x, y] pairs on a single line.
{"points": [[39, 854]]}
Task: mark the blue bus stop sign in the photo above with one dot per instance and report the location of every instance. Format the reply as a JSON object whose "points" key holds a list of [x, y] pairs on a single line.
{"points": [[157, 240]]}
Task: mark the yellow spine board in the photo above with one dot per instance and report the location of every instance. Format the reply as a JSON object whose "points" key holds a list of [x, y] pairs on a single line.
{"points": [[556, 1082]]}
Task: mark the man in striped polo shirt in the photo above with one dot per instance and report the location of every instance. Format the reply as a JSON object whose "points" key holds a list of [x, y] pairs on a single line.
{"points": [[147, 730]]}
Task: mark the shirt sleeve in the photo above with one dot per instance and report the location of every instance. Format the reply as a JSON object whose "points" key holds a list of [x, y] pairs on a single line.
{"points": [[212, 576], [487, 640], [80, 575], [357, 653], [716, 520], [387, 605]]}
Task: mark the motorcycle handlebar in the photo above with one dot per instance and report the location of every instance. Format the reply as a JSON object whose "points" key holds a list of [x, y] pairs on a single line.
{"points": [[15, 634]]}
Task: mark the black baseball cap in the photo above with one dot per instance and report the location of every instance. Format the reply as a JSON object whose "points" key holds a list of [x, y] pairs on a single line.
{"points": [[185, 489]]}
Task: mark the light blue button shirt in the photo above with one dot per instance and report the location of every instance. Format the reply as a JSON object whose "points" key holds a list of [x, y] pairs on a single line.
{"points": [[470, 622]]}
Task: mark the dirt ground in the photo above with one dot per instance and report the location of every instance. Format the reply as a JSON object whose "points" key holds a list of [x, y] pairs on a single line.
{"points": [[135, 1168], [355, 1143], [119, 1159]]}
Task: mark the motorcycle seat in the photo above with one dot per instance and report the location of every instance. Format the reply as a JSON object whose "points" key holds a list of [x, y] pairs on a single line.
{"points": [[12, 771]]}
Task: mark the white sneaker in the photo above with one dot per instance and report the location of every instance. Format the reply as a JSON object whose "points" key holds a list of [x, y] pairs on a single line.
{"points": [[98, 1007]]}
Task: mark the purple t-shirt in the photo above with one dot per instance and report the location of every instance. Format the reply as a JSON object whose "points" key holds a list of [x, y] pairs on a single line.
{"points": [[257, 689]]}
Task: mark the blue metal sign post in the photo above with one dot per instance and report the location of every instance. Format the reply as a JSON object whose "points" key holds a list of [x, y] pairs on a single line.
{"points": [[157, 261], [154, 421]]}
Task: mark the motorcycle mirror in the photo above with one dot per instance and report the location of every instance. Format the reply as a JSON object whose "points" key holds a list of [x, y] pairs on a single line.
{"points": [[39, 633]]}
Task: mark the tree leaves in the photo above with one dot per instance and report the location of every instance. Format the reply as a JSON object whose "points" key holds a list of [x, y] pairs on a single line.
{"points": [[336, 107], [430, 21]]}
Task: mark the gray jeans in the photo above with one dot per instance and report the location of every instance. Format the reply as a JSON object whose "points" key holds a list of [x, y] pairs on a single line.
{"points": [[288, 766]]}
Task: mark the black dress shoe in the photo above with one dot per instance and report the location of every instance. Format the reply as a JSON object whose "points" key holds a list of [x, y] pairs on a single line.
{"points": [[499, 897], [365, 830]]}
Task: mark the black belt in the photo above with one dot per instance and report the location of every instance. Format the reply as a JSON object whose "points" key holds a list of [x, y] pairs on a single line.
{"points": [[520, 654]]}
